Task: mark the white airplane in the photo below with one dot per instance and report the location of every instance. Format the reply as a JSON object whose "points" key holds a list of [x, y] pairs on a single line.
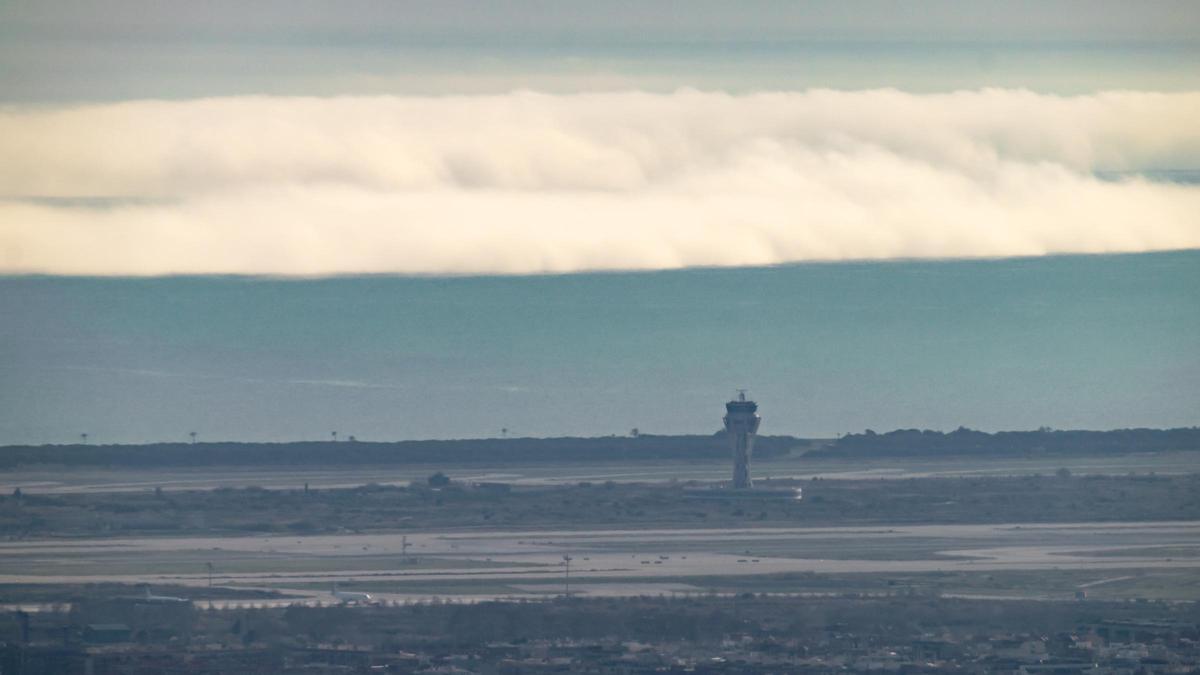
{"points": [[350, 596], [150, 597]]}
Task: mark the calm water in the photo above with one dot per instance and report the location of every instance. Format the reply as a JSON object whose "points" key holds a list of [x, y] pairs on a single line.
{"points": [[1069, 342]]}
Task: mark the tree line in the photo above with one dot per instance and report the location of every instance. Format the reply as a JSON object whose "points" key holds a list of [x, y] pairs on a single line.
{"points": [[466, 451], [1044, 441]]}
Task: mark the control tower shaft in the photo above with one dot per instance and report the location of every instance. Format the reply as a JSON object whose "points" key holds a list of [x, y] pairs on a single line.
{"points": [[741, 421]]}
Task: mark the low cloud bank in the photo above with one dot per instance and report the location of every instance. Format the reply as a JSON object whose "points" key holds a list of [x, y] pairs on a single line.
{"points": [[529, 183]]}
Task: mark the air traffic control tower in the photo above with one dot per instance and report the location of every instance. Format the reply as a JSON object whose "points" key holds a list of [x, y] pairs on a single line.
{"points": [[741, 421]]}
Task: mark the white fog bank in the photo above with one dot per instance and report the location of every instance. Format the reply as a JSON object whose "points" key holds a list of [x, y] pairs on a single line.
{"points": [[529, 183]]}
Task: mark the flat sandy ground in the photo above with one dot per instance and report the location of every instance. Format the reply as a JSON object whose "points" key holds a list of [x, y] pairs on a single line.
{"points": [[1105, 559]]}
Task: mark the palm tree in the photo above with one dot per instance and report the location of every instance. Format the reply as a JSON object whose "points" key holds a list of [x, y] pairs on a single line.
{"points": [[334, 433], [193, 435], [84, 437]]}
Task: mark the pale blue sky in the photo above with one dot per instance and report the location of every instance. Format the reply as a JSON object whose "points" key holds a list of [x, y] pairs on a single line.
{"points": [[86, 51]]}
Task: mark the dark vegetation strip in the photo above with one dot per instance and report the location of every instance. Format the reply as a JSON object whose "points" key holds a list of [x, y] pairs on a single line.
{"points": [[971, 443], [374, 508], [901, 443], [70, 593], [323, 453]]}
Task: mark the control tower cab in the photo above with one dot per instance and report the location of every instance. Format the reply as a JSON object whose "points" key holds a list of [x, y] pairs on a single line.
{"points": [[741, 423]]}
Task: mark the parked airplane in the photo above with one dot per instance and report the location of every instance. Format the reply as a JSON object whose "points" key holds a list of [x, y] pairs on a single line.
{"points": [[350, 596], [167, 599]]}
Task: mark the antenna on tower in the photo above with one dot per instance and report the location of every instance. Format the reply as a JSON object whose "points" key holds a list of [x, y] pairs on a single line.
{"points": [[741, 394]]}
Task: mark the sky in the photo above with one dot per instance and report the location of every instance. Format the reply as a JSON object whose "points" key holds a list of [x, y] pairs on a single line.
{"points": [[58, 51], [513, 139]]}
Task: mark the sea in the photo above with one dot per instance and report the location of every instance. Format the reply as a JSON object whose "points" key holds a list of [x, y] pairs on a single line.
{"points": [[1095, 342]]}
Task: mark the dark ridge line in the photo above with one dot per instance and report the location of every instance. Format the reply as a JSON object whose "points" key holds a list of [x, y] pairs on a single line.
{"points": [[902, 443]]}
